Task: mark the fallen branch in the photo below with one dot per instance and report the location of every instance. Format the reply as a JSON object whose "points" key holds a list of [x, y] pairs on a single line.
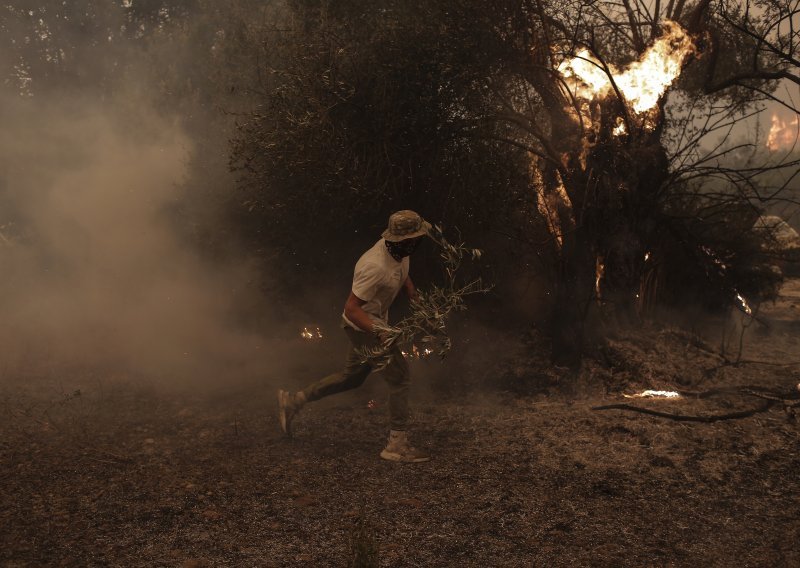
{"points": [[688, 417], [695, 341], [728, 363], [771, 363], [748, 390]]}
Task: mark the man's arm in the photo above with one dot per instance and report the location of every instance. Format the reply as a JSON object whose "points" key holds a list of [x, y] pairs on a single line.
{"points": [[411, 290], [354, 312]]}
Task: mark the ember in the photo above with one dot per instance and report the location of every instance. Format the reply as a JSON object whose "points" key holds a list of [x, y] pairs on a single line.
{"points": [[311, 333], [548, 203], [416, 353], [722, 268], [599, 271]]}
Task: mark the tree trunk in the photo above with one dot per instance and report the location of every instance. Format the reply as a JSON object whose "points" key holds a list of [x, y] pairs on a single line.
{"points": [[571, 325]]}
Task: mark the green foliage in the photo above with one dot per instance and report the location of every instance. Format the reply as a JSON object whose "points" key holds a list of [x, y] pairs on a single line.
{"points": [[426, 326], [373, 107]]}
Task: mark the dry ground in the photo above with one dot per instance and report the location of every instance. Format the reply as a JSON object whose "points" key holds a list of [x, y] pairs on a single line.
{"points": [[124, 473]]}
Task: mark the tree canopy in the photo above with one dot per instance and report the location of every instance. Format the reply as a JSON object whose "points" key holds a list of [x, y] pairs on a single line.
{"points": [[464, 111]]}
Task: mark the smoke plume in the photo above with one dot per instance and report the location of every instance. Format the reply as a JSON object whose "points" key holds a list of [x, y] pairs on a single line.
{"points": [[93, 269]]}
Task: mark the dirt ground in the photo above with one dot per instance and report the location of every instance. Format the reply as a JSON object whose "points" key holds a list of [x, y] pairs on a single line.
{"points": [[100, 470]]}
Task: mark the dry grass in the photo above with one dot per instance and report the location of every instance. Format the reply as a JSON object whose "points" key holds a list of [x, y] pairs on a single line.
{"points": [[127, 475]]}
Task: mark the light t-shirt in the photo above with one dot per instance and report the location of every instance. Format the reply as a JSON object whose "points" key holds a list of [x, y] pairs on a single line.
{"points": [[377, 279]]}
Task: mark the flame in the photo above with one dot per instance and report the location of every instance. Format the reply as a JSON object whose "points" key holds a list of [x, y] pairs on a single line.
{"points": [[722, 268], [620, 128], [599, 270], [417, 353], [654, 394], [548, 201], [643, 82], [585, 75], [783, 134], [714, 258], [309, 334], [743, 303]]}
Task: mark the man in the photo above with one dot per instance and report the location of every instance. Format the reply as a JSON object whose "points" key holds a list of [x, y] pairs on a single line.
{"points": [[379, 275]]}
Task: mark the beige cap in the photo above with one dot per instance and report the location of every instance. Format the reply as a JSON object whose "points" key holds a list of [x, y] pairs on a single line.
{"points": [[405, 224]]}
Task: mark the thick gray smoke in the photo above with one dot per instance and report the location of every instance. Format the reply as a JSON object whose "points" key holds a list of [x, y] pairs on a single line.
{"points": [[98, 189], [93, 270]]}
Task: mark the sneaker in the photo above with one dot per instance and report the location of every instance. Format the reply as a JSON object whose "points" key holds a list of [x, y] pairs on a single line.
{"points": [[287, 409], [398, 449]]}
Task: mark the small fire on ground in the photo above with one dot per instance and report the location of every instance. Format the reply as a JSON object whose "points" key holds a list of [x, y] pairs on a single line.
{"points": [[417, 353], [654, 394], [311, 333]]}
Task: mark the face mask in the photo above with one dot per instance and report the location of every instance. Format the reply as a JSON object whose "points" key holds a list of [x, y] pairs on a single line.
{"points": [[402, 249]]}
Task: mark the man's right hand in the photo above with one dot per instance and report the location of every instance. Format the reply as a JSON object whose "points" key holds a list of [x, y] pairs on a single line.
{"points": [[354, 312], [383, 337]]}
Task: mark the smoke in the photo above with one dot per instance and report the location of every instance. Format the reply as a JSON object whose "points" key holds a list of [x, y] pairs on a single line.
{"points": [[102, 189], [101, 183], [94, 272]]}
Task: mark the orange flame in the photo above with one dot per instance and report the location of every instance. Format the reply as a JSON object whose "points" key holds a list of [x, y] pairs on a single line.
{"points": [[311, 334], [783, 134], [416, 353], [599, 272], [643, 82], [743, 303], [548, 202]]}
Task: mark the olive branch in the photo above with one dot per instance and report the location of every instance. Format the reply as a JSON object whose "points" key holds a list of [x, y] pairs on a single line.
{"points": [[425, 326]]}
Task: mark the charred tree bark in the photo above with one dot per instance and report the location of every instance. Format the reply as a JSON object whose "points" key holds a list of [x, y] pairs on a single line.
{"points": [[611, 183], [571, 326], [634, 173], [613, 196]]}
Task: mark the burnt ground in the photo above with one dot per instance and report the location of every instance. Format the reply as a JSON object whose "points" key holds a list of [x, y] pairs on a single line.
{"points": [[97, 470]]}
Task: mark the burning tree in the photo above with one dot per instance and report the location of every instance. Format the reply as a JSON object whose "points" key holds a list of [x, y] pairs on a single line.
{"points": [[603, 111], [591, 108]]}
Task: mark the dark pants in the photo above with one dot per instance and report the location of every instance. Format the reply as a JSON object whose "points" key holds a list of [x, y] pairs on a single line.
{"points": [[355, 373]]}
